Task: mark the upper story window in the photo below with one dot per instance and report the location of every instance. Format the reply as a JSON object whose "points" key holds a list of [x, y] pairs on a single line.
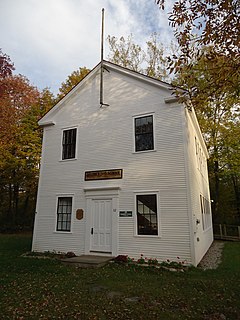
{"points": [[64, 213], [69, 144], [144, 138], [147, 219]]}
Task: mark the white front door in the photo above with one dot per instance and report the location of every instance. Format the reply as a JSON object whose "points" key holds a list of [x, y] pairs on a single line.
{"points": [[101, 229]]}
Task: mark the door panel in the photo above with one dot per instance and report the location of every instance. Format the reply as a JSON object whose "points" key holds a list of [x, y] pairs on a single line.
{"points": [[101, 238]]}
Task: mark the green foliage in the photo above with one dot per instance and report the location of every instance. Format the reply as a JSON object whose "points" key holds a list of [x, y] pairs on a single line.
{"points": [[141, 260], [18, 149], [152, 262], [218, 116], [43, 288], [73, 79], [208, 23], [128, 54], [208, 66], [21, 106], [46, 102]]}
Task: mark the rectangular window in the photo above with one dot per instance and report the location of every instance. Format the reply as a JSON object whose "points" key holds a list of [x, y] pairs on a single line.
{"points": [[206, 212], [64, 213], [196, 146], [147, 220], [202, 211], [144, 133], [69, 144]]}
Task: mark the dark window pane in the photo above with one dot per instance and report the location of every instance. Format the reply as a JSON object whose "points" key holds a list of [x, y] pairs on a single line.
{"points": [[64, 212], [69, 144], [144, 142], [144, 133], [147, 214]]}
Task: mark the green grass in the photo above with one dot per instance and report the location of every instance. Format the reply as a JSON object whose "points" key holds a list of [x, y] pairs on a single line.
{"points": [[33, 288]]}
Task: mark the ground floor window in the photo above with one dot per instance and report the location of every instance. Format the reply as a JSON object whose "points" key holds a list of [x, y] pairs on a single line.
{"points": [[205, 212], [64, 213], [147, 219]]}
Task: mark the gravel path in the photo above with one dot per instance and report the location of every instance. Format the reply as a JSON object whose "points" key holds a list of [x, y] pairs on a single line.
{"points": [[213, 257]]}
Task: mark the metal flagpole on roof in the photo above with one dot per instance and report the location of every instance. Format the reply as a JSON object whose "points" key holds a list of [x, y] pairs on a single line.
{"points": [[102, 69]]}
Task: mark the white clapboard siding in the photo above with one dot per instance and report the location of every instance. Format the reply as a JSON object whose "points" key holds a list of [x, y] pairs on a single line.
{"points": [[105, 141], [199, 185]]}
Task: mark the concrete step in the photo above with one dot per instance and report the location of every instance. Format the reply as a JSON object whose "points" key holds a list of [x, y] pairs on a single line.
{"points": [[87, 261]]}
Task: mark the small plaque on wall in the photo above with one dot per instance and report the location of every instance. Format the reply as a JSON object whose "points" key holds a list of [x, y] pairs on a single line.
{"points": [[125, 213], [79, 214]]}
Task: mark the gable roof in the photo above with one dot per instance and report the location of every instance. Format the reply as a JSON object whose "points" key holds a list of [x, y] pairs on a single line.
{"points": [[109, 66]]}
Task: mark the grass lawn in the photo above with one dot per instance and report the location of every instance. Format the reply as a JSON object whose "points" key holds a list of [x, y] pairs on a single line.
{"points": [[44, 289]]}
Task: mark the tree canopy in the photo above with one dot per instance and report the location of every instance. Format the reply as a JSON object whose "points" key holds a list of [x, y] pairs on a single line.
{"points": [[128, 54], [218, 116], [208, 66], [21, 106], [6, 65], [72, 80], [211, 23]]}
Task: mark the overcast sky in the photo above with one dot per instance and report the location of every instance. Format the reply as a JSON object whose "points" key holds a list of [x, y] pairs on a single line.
{"points": [[48, 39]]}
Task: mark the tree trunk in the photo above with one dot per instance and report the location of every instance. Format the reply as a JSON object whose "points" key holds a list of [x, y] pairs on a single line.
{"points": [[10, 206], [216, 191], [16, 200], [237, 195]]}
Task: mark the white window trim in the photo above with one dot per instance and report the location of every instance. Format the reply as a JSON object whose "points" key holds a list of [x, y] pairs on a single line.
{"points": [[62, 195], [154, 129], [142, 192], [204, 215], [76, 150]]}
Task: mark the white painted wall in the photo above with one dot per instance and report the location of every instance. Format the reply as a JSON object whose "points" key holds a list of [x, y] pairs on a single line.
{"points": [[198, 184], [105, 141]]}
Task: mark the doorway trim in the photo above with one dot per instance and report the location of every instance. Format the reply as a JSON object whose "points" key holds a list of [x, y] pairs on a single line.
{"points": [[102, 193]]}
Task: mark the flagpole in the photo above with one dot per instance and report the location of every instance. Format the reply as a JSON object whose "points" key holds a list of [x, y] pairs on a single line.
{"points": [[101, 71]]}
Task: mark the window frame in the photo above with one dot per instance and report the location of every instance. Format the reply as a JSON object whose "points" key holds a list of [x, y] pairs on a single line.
{"points": [[134, 132], [206, 214], [76, 143], [57, 214], [149, 192]]}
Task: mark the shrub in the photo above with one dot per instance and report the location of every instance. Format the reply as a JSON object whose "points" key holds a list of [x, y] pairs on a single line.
{"points": [[141, 260], [152, 262], [121, 259], [70, 254]]}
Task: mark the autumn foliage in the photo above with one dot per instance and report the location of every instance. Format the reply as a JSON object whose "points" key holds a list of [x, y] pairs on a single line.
{"points": [[207, 23], [20, 145]]}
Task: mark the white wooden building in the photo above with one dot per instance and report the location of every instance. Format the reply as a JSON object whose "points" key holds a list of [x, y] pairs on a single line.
{"points": [[125, 178]]}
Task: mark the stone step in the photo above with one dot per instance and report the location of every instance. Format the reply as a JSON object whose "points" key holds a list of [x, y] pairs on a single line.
{"points": [[87, 261]]}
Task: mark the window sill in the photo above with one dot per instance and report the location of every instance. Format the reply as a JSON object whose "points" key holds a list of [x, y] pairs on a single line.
{"points": [[66, 160], [207, 229], [147, 236], [144, 151], [62, 232]]}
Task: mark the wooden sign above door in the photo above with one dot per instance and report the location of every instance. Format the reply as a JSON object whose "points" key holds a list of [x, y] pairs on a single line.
{"points": [[103, 174]]}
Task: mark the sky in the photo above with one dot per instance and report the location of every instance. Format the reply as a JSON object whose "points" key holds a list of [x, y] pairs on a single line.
{"points": [[48, 39]]}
